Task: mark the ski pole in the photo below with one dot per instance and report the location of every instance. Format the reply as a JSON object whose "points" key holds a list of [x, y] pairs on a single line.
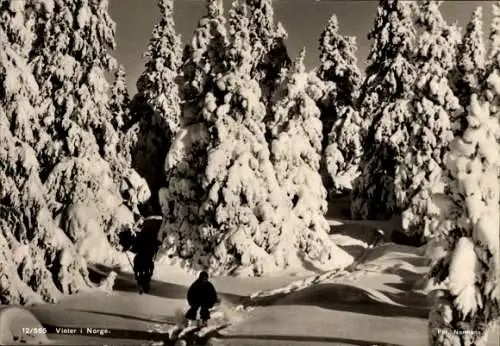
{"points": [[129, 262]]}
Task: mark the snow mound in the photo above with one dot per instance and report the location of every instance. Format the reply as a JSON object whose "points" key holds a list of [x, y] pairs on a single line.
{"points": [[13, 323], [339, 293], [390, 252], [399, 258]]}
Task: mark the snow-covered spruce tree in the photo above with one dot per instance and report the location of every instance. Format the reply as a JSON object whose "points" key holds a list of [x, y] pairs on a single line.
{"points": [[203, 59], [38, 261], [494, 51], [470, 63], [492, 75], [469, 302], [390, 77], [121, 118], [248, 225], [17, 20], [428, 131], [80, 165], [120, 100], [296, 154], [341, 147], [185, 165], [156, 107], [269, 51]]}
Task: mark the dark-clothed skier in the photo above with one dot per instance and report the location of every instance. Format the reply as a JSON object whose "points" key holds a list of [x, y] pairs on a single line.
{"points": [[145, 246], [201, 296]]}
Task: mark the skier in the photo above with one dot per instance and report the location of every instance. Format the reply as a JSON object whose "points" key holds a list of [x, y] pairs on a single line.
{"points": [[201, 296], [145, 246]]}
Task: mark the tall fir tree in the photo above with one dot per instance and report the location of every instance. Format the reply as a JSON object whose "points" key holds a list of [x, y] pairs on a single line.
{"points": [[248, 225], [469, 224], [120, 100], [267, 39], [469, 221], [182, 196], [39, 263], [97, 192], [18, 26], [494, 51], [270, 58], [156, 109], [203, 59], [471, 59], [492, 75], [296, 154], [428, 132], [390, 77], [341, 147]]}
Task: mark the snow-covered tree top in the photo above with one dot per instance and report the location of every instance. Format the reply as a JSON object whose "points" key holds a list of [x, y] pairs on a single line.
{"points": [[263, 32], [298, 64], [437, 44], [281, 31], [338, 63], [474, 52], [165, 44], [166, 8], [471, 59], [494, 55], [394, 32], [430, 15], [262, 13], [240, 48], [157, 83], [215, 8], [390, 69], [119, 97], [211, 30], [333, 24], [203, 59], [120, 73]]}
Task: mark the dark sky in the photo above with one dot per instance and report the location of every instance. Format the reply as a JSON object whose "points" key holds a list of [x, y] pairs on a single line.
{"points": [[303, 19]]}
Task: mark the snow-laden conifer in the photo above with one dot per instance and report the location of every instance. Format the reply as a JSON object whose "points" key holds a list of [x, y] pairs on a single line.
{"points": [[494, 36], [156, 107], [341, 122], [269, 52], [390, 77], [492, 75], [95, 189], [470, 227], [120, 100], [296, 154], [428, 131], [38, 261], [248, 225], [185, 164], [471, 59], [203, 59]]}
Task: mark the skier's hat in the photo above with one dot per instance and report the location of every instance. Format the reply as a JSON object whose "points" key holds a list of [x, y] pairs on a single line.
{"points": [[203, 275]]}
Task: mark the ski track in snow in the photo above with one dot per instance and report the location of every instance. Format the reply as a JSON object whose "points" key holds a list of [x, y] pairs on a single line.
{"points": [[374, 293], [138, 317]]}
